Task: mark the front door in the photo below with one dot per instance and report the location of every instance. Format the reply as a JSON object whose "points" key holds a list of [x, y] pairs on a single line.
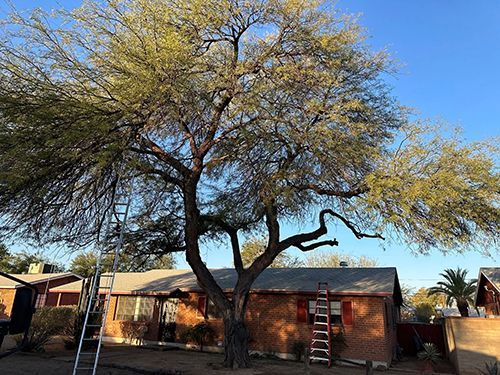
{"points": [[168, 317]]}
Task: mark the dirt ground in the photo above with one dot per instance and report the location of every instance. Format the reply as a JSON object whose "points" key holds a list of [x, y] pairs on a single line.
{"points": [[132, 360]]}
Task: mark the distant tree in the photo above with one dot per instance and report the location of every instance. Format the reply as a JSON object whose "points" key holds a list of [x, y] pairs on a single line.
{"points": [[424, 311], [422, 296], [19, 262], [254, 247], [84, 263], [333, 259], [457, 289]]}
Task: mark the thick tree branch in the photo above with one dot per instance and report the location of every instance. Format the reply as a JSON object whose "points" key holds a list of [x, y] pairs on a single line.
{"points": [[313, 246], [163, 155], [298, 239], [233, 235]]}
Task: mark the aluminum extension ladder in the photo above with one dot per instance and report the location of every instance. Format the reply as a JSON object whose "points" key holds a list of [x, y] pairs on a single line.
{"points": [[320, 348], [99, 297]]}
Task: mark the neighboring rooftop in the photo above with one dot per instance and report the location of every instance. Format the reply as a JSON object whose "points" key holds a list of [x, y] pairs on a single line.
{"points": [[493, 275], [33, 278], [381, 281]]}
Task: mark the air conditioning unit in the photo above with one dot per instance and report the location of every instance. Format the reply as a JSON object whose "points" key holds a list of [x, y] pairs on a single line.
{"points": [[40, 268]]}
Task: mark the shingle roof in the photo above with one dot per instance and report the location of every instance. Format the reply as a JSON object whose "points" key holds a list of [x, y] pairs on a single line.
{"points": [[493, 274], [340, 280], [33, 278]]}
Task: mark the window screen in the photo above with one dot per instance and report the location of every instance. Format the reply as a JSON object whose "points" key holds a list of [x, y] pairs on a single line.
{"points": [[335, 312], [134, 308]]}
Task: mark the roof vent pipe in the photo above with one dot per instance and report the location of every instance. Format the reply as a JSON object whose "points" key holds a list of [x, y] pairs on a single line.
{"points": [[343, 264]]}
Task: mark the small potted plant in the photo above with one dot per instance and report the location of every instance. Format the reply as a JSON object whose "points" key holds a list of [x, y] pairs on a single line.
{"points": [[429, 355]]}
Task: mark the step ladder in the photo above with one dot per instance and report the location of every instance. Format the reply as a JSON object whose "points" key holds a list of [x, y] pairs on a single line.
{"points": [[320, 348], [99, 297]]}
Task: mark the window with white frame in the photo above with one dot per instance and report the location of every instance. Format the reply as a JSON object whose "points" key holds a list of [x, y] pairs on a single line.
{"points": [[134, 308], [335, 312]]}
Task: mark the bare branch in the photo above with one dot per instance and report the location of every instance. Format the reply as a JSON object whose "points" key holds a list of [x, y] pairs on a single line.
{"points": [[332, 193], [313, 246]]}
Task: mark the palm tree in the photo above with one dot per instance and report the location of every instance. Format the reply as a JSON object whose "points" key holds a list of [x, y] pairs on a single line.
{"points": [[456, 288]]}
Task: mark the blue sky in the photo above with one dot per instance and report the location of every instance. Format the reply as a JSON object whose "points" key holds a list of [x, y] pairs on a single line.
{"points": [[450, 57]]}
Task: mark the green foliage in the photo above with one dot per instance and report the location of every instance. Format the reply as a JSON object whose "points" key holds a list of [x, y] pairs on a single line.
{"points": [[84, 263], [491, 369], [333, 259], [456, 288], [430, 353], [424, 311], [48, 322], [198, 333], [437, 192], [339, 342], [19, 262], [299, 349], [253, 247]]}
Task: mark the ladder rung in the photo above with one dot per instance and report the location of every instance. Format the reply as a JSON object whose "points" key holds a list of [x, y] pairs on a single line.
{"points": [[94, 325], [90, 339], [323, 332], [318, 314], [96, 312], [84, 368], [319, 358], [319, 350], [322, 323], [321, 298], [319, 340]]}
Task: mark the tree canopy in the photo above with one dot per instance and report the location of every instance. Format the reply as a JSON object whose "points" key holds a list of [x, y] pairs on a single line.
{"points": [[230, 116], [84, 264]]}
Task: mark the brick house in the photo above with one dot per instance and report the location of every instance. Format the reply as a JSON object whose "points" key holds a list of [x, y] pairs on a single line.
{"points": [[364, 304], [488, 290], [42, 281]]}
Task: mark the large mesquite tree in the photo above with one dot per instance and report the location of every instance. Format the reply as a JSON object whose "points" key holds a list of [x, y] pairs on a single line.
{"points": [[230, 116]]}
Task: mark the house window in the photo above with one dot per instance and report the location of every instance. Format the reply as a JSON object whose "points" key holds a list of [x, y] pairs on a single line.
{"points": [[134, 308], [335, 312], [212, 311]]}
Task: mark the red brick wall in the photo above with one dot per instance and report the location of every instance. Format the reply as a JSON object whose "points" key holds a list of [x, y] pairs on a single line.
{"points": [[273, 326]]}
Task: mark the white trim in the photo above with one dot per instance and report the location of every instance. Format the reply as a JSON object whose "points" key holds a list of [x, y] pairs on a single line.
{"points": [[218, 349]]}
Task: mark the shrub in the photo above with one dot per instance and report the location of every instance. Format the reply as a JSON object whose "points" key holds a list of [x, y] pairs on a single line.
{"points": [[199, 333], [47, 322], [338, 342], [298, 349], [430, 353], [134, 331], [424, 311]]}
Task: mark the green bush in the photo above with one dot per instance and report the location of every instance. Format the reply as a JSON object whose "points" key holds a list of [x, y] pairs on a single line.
{"points": [[199, 333], [424, 311], [47, 322], [298, 349]]}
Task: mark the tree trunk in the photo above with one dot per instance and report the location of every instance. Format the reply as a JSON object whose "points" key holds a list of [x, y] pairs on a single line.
{"points": [[236, 343], [463, 307]]}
